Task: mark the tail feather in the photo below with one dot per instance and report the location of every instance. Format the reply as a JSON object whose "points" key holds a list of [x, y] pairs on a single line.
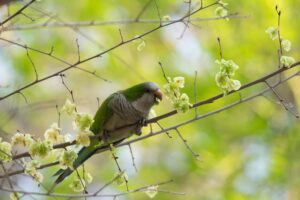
{"points": [[83, 155]]}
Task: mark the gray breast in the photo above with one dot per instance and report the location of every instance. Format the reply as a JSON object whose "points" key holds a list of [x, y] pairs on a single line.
{"points": [[124, 109]]}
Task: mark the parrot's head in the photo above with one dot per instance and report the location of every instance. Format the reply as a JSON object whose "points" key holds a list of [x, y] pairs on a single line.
{"points": [[152, 91], [144, 95]]}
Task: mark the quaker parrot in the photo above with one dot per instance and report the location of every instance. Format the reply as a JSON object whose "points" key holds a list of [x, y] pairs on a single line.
{"points": [[122, 114]]}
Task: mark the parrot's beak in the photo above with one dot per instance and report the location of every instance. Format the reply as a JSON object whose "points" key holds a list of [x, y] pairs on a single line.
{"points": [[158, 95]]}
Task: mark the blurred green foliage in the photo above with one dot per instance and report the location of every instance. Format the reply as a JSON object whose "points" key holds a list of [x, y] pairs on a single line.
{"points": [[250, 151]]}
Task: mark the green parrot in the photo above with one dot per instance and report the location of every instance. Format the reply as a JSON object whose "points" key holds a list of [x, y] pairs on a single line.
{"points": [[121, 115]]}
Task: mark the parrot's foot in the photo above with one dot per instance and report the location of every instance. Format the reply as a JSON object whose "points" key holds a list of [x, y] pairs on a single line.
{"points": [[105, 136], [142, 122]]}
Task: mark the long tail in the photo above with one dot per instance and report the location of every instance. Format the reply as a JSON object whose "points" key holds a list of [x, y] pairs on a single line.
{"points": [[83, 155]]}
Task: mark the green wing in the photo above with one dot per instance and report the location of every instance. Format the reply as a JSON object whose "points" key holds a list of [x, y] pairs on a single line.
{"points": [[102, 115]]}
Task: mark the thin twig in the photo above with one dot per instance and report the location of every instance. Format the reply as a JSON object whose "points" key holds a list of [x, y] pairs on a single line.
{"points": [[24, 97], [163, 71], [279, 37], [162, 128], [220, 47], [81, 181], [33, 65], [158, 12], [119, 168], [69, 90], [78, 49], [186, 23], [121, 36], [137, 19], [132, 158], [108, 183], [196, 155], [195, 93]]}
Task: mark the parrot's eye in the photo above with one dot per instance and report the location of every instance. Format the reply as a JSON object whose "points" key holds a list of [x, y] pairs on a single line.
{"points": [[147, 90]]}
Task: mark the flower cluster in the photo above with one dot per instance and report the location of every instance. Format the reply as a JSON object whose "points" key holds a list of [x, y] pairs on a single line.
{"points": [[22, 139], [83, 121], [222, 11], [67, 158], [79, 183], [69, 107], [31, 169], [166, 18], [286, 45], [5, 151], [40, 148], [273, 32], [53, 134], [224, 76], [141, 43], [121, 178], [14, 196], [83, 138], [172, 91], [151, 191]]}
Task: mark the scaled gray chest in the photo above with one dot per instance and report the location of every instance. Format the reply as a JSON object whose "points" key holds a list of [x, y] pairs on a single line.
{"points": [[125, 116]]}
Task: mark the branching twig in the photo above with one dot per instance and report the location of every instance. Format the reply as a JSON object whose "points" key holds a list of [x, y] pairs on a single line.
{"points": [[186, 23], [117, 163], [69, 90], [281, 100], [108, 183], [50, 53], [16, 13], [163, 71]]}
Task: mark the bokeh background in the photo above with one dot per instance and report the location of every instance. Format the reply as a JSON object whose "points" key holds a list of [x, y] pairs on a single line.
{"points": [[250, 151]]}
